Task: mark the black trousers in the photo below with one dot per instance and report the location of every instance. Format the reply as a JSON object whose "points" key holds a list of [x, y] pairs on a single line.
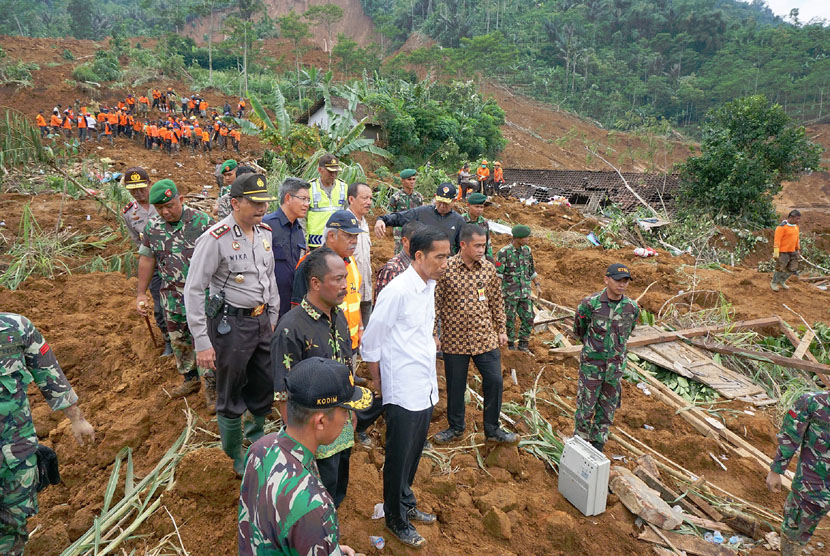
{"points": [[455, 368], [406, 432], [158, 310], [334, 472], [243, 365]]}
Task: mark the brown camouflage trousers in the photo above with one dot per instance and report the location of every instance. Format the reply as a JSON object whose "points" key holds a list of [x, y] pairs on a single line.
{"points": [[181, 341], [18, 502], [804, 509], [597, 400]]}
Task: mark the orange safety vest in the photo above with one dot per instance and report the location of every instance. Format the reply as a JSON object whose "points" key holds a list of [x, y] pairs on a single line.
{"points": [[498, 174], [67, 122], [206, 137], [241, 105], [101, 117], [81, 121], [107, 129], [186, 132], [143, 100], [203, 105], [122, 120], [174, 137], [223, 131], [55, 121], [156, 94], [41, 121], [121, 105], [351, 304], [137, 125], [154, 131], [483, 173], [130, 101], [191, 104], [236, 134], [112, 118]]}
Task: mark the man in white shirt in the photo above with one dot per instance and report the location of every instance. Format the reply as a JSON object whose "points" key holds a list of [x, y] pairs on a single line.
{"points": [[360, 203], [399, 349]]}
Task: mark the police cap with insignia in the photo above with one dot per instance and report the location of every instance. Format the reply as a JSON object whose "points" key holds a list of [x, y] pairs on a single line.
{"points": [[445, 193], [320, 383], [136, 178], [162, 192], [345, 221], [477, 199], [520, 231], [251, 187], [618, 271], [408, 173]]}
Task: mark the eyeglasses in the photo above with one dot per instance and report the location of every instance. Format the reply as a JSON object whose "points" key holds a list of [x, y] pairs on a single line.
{"points": [[303, 200]]}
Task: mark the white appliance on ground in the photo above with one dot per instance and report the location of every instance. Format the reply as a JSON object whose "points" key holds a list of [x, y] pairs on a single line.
{"points": [[583, 476]]}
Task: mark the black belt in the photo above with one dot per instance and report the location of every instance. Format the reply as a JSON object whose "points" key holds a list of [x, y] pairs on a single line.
{"points": [[239, 312]]}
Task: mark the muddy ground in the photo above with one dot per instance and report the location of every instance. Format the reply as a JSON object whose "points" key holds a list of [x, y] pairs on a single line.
{"points": [[104, 347]]}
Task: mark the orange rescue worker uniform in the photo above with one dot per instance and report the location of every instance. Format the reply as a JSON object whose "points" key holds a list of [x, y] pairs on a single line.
{"points": [[41, 121], [483, 172], [55, 122], [498, 173]]}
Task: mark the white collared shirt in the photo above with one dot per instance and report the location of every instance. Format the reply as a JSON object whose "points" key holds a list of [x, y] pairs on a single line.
{"points": [[399, 337]]}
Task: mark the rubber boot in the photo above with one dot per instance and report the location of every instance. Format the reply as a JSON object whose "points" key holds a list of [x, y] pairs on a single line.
{"points": [[790, 548], [783, 281], [774, 284], [210, 393], [254, 430], [230, 432]]}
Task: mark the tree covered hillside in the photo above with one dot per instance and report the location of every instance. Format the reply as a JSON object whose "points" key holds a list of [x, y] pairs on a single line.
{"points": [[624, 62]]}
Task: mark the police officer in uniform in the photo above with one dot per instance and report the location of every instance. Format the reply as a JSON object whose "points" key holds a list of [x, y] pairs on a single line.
{"points": [[136, 214], [328, 195], [233, 333]]}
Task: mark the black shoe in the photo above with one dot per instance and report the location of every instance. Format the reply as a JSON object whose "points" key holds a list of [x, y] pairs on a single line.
{"points": [[511, 346], [427, 445], [168, 349], [523, 346], [414, 514], [407, 535], [503, 437], [447, 436]]}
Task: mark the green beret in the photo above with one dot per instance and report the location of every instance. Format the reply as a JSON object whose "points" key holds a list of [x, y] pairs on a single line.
{"points": [[477, 199], [162, 191], [229, 164], [520, 230], [408, 173]]}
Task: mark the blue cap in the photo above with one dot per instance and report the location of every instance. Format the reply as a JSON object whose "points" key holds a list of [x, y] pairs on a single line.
{"points": [[344, 220]]}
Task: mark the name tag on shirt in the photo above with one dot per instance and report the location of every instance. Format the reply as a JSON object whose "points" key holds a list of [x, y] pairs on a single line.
{"points": [[481, 295]]}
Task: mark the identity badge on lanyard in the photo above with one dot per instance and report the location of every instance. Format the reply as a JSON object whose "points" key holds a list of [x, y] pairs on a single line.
{"points": [[481, 295]]}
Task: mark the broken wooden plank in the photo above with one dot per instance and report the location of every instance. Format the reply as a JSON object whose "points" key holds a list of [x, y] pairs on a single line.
{"points": [[708, 524], [688, 543], [704, 505], [642, 500], [804, 344], [667, 494], [813, 278], [795, 341], [817, 368], [671, 336]]}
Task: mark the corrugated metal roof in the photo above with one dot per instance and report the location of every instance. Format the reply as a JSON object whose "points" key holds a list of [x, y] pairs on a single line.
{"points": [[593, 188]]}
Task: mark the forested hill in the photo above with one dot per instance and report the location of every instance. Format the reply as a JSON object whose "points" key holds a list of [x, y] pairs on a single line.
{"points": [[627, 63]]}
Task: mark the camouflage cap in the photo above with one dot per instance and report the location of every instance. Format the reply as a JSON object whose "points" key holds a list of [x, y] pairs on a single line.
{"points": [[136, 178], [520, 231], [162, 192], [320, 383]]}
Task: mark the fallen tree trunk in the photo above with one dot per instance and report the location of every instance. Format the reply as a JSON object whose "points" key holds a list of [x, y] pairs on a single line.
{"points": [[817, 368]]}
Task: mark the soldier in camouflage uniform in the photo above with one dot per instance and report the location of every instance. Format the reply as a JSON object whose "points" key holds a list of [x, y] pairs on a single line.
{"points": [[284, 509], [168, 243], [404, 198], [514, 262], [223, 203], [603, 322], [807, 427], [25, 357], [135, 216], [475, 215]]}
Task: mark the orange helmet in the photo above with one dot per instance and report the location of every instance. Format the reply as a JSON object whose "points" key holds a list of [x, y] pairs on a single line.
{"points": [[497, 163], [484, 163]]}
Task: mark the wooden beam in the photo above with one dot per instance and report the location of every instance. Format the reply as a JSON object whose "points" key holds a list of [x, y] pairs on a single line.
{"points": [[687, 543], [817, 368], [813, 278], [796, 341], [671, 336]]}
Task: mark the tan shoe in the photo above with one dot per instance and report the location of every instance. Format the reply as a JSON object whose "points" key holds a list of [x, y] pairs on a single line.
{"points": [[774, 286], [185, 388]]}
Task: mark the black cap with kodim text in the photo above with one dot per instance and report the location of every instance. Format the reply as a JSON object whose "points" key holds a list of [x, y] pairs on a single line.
{"points": [[251, 187], [320, 383], [618, 271]]}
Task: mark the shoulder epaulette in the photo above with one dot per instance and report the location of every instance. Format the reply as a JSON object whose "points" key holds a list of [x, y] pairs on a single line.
{"points": [[129, 206], [220, 231], [264, 225]]}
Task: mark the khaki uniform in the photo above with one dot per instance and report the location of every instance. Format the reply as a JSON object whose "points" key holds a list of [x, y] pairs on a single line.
{"points": [[226, 261]]}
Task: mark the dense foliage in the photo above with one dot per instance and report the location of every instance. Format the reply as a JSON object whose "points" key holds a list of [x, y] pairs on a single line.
{"points": [[749, 147], [622, 61]]}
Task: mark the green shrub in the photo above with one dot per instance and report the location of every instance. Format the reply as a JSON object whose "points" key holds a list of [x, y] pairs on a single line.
{"points": [[67, 54]]}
